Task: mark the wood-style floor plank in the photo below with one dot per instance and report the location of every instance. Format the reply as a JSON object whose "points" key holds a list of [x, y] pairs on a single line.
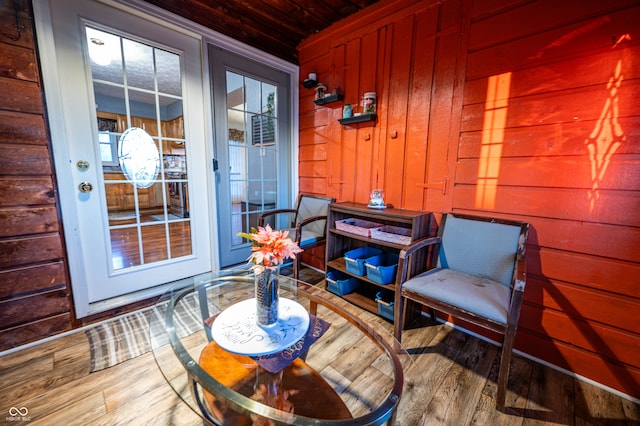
{"points": [[452, 382]]}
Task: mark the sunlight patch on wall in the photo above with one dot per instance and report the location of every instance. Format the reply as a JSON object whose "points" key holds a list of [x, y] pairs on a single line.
{"points": [[495, 119], [606, 137]]}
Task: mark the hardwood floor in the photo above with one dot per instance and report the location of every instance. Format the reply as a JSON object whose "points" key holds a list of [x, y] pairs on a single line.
{"points": [[53, 382]]}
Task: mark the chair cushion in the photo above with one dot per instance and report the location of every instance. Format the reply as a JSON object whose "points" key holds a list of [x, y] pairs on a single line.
{"points": [[481, 296], [480, 248]]}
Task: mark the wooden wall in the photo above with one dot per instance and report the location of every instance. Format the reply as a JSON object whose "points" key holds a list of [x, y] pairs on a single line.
{"points": [[525, 110], [34, 286]]}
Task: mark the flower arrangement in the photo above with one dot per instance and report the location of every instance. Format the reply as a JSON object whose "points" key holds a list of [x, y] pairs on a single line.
{"points": [[270, 248]]}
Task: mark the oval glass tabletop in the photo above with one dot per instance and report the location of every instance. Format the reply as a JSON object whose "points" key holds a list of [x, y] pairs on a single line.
{"points": [[343, 371]]}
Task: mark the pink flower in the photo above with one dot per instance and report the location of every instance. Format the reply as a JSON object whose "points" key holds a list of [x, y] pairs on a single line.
{"points": [[270, 247]]}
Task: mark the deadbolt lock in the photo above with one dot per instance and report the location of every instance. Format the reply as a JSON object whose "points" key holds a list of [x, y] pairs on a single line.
{"points": [[85, 187]]}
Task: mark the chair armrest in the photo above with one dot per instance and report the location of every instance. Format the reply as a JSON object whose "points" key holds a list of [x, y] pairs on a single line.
{"points": [[305, 222], [417, 245], [407, 252], [520, 273], [275, 212]]}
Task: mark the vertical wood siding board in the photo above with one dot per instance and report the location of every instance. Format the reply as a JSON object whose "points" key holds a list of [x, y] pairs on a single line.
{"points": [[461, 60], [349, 134], [377, 172], [565, 106], [552, 140], [571, 41], [28, 221], [16, 281], [592, 70], [335, 170], [558, 203], [623, 172], [365, 157], [617, 345], [585, 363], [398, 95], [384, 102], [28, 160], [354, 26], [421, 81], [442, 114], [538, 17]]}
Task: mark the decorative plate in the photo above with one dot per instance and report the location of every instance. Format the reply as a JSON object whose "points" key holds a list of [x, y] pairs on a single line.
{"points": [[236, 330]]}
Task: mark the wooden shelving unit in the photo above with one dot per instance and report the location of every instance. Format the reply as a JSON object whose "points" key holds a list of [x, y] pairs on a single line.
{"points": [[339, 242]]}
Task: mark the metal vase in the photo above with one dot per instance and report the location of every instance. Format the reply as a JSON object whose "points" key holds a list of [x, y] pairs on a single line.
{"points": [[267, 288]]}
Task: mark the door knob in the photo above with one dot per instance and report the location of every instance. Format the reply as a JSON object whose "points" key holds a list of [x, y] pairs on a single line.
{"points": [[85, 187]]}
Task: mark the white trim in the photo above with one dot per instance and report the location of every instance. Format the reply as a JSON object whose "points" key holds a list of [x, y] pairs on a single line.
{"points": [[540, 361], [50, 78]]}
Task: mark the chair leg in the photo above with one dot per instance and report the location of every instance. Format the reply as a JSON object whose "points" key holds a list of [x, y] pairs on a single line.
{"points": [[505, 364], [398, 316], [296, 266]]}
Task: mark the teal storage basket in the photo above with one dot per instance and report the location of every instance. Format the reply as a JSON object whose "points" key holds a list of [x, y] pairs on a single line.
{"points": [[354, 259], [340, 283], [382, 268], [385, 304]]}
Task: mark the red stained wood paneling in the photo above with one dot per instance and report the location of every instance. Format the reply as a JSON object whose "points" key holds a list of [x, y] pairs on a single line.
{"points": [[618, 346], [587, 364], [565, 153]]}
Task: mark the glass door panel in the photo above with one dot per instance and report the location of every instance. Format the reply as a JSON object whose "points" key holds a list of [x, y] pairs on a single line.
{"points": [[138, 93]]}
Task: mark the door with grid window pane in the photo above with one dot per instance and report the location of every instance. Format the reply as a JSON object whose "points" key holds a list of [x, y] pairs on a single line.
{"points": [[131, 101], [252, 146]]}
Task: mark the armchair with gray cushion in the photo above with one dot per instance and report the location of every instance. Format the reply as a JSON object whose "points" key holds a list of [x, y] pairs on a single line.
{"points": [[308, 225], [478, 276]]}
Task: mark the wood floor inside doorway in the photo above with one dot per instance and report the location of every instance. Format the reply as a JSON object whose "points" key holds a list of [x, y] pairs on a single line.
{"points": [[53, 382]]}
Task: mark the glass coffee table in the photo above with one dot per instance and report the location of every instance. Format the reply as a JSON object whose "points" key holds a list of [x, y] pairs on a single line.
{"points": [[342, 371]]}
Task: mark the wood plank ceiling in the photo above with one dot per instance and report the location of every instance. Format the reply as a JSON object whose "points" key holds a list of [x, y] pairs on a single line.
{"points": [[274, 26]]}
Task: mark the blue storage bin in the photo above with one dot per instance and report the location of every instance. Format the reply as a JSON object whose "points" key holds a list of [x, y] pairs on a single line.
{"points": [[382, 268], [354, 259], [385, 304], [340, 283]]}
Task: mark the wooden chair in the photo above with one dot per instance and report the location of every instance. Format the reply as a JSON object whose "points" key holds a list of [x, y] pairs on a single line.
{"points": [[479, 277], [308, 226]]}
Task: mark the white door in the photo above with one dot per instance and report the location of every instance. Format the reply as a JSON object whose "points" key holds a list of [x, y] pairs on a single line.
{"points": [[125, 105]]}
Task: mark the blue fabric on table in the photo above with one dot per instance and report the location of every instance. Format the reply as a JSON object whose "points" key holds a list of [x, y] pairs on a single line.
{"points": [[279, 361]]}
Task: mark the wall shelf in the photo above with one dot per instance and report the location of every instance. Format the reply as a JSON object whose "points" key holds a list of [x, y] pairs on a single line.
{"points": [[358, 119], [329, 99]]}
